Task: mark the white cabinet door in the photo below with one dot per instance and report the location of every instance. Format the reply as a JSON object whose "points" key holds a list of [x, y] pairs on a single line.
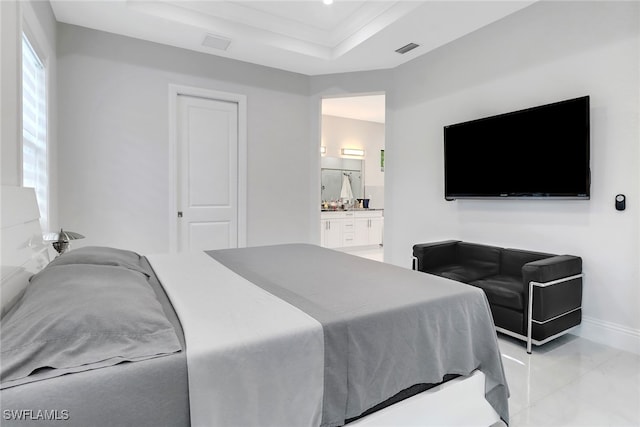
{"points": [[369, 225], [362, 232], [376, 226], [331, 233]]}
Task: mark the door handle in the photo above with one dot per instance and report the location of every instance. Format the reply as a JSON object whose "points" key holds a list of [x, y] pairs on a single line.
{"points": [[179, 214]]}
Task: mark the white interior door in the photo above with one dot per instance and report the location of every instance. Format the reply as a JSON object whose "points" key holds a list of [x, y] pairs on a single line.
{"points": [[207, 133]]}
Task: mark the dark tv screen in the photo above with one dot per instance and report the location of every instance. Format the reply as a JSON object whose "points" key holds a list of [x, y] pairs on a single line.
{"points": [[540, 152]]}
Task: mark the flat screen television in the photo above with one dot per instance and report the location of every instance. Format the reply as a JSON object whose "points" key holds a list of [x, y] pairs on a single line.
{"points": [[540, 152]]}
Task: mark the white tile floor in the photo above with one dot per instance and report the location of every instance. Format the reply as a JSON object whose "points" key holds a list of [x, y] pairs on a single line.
{"points": [[570, 381], [371, 252]]}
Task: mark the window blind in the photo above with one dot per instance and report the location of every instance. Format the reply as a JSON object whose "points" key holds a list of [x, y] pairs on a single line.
{"points": [[34, 128]]}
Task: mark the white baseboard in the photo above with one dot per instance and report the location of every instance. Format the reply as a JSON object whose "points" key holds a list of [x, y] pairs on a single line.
{"points": [[611, 334]]}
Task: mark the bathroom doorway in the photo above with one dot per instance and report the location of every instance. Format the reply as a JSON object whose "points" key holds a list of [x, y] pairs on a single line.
{"points": [[352, 147]]}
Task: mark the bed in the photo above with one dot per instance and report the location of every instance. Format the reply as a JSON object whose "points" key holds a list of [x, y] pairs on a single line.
{"points": [[264, 336]]}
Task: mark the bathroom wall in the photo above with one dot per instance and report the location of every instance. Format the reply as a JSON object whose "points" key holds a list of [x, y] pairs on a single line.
{"points": [[341, 132]]}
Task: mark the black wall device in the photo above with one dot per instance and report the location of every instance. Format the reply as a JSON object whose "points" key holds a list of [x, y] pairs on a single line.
{"points": [[621, 202]]}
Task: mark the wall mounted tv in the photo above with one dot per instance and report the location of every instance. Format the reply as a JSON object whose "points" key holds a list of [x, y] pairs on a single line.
{"points": [[537, 153]]}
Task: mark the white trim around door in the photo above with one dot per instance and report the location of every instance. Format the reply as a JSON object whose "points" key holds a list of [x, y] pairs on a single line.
{"points": [[241, 101]]}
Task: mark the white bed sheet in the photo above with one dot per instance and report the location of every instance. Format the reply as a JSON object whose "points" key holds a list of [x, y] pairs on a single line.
{"points": [[253, 359]]}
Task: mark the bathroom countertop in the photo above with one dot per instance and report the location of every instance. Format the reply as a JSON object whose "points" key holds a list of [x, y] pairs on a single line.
{"points": [[352, 209]]}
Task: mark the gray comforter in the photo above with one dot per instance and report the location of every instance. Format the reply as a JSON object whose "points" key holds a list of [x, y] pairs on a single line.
{"points": [[386, 328]]}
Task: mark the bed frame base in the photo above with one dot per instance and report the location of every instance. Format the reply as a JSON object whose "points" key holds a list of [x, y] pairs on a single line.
{"points": [[459, 402]]}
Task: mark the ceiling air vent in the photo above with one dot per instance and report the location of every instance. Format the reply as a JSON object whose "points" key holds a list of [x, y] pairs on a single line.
{"points": [[216, 42], [406, 48]]}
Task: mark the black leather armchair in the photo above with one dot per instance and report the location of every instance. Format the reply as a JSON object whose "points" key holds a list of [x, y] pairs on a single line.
{"points": [[533, 296]]}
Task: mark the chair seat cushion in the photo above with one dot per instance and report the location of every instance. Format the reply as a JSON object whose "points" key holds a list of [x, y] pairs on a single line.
{"points": [[503, 290], [460, 273]]}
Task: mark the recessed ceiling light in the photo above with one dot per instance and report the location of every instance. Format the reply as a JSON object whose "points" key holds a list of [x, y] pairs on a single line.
{"points": [[327, 2]]}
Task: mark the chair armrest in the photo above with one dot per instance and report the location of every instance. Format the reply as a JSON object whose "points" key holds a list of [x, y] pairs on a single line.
{"points": [[549, 269], [429, 255], [560, 296]]}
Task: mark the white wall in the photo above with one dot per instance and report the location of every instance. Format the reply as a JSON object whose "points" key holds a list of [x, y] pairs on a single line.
{"points": [[114, 139], [548, 52], [341, 132], [36, 19], [10, 103]]}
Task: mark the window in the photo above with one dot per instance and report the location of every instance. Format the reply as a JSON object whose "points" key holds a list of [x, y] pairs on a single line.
{"points": [[34, 128]]}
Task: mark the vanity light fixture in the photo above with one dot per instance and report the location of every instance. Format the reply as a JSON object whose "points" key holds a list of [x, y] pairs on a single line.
{"points": [[352, 152], [323, 149]]}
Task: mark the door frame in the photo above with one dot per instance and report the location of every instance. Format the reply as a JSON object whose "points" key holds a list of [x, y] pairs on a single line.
{"points": [[316, 131], [241, 101]]}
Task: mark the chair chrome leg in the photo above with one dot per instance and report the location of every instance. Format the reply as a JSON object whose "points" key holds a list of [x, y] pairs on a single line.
{"points": [[530, 318]]}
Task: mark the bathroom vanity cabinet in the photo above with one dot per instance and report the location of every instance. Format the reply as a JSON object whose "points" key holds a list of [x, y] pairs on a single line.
{"points": [[340, 229]]}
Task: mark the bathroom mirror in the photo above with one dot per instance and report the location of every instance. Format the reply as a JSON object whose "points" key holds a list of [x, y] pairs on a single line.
{"points": [[333, 173]]}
